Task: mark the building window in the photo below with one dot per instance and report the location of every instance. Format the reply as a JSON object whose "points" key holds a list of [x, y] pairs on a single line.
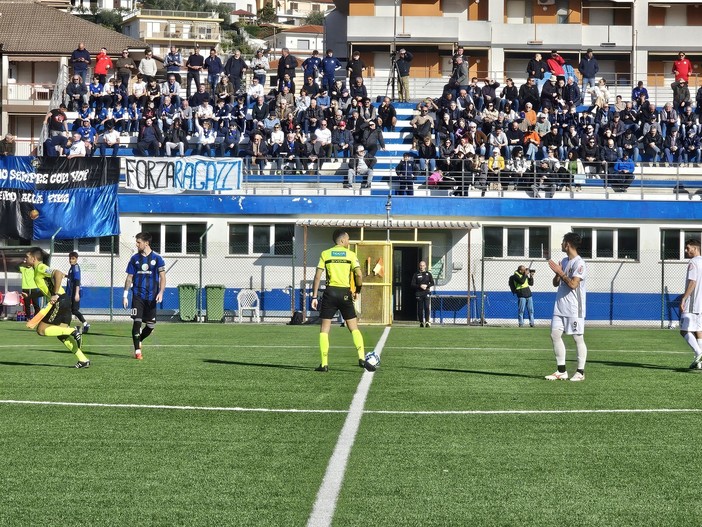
{"points": [[102, 245], [673, 243], [316, 8], [294, 6], [176, 238], [621, 244], [303, 44], [520, 242], [265, 239]]}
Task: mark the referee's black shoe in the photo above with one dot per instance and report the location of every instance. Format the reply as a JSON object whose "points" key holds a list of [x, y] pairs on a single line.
{"points": [[324, 369], [78, 336], [361, 363]]}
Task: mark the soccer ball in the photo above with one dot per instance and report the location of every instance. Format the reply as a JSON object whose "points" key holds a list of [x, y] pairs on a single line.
{"points": [[372, 361]]}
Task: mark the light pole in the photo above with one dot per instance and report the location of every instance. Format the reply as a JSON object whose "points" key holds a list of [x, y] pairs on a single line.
{"points": [[388, 217]]}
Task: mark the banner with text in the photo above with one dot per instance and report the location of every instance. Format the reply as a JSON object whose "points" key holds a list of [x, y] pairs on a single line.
{"points": [[76, 197], [165, 175]]}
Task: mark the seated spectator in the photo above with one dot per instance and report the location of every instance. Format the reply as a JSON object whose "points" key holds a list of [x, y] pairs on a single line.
{"points": [[312, 87], [221, 115], [324, 138], [610, 155], [405, 173], [256, 153], [446, 154], [206, 138], [517, 167], [110, 139], [97, 96], [255, 91], [76, 93], [623, 174], [138, 94], [203, 113], [77, 147], [669, 119], [691, 148], [200, 96], [7, 145], [426, 152], [342, 141], [575, 170], [171, 88], [175, 137], [361, 165], [167, 113], [672, 147], [591, 155], [275, 140], [357, 90], [388, 113], [89, 136], [134, 115], [629, 144], [119, 118], [498, 139], [496, 164], [547, 176], [372, 138], [313, 154], [290, 154], [653, 145], [153, 93], [423, 125], [230, 142], [150, 139], [532, 141]]}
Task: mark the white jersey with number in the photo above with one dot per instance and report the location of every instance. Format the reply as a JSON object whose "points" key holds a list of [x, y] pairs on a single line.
{"points": [[694, 272], [571, 302]]}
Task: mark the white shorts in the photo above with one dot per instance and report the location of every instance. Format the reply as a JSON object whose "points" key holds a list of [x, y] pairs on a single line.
{"points": [[691, 322], [568, 325]]}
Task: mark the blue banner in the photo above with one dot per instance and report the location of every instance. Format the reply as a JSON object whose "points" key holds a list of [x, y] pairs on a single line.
{"points": [[39, 196]]}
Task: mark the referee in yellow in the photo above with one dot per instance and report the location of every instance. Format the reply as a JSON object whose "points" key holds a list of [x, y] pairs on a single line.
{"points": [[339, 262]]}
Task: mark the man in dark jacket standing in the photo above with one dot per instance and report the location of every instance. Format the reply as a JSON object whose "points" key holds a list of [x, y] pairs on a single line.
{"points": [[519, 284], [588, 69], [422, 282], [286, 64], [403, 63]]}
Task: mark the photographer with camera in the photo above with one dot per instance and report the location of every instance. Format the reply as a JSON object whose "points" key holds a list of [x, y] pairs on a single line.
{"points": [[403, 61], [519, 284]]}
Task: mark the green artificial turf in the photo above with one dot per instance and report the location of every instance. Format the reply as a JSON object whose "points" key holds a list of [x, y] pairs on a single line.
{"points": [[124, 465]]}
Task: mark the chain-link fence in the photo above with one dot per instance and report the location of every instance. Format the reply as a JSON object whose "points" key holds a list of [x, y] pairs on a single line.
{"points": [[625, 285]]}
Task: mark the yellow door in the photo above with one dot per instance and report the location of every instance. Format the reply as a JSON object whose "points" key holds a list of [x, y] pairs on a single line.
{"points": [[375, 304]]}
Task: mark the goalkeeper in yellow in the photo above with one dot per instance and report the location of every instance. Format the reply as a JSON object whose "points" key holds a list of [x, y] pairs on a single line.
{"points": [[339, 263], [56, 322]]}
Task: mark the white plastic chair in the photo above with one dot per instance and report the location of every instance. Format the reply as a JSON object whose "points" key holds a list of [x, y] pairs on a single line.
{"points": [[11, 299], [248, 300]]}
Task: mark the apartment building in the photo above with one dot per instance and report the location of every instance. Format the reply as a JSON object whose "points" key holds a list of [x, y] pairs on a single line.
{"points": [[161, 29], [632, 40]]}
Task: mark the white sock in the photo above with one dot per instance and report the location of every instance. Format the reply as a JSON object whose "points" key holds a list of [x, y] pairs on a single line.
{"points": [[699, 344], [581, 349], [693, 342], [559, 349]]}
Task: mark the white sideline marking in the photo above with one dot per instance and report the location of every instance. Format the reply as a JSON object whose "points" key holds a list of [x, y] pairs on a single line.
{"points": [[317, 411], [325, 504]]}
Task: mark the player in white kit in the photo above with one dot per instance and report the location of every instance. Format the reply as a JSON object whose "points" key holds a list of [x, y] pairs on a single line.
{"points": [[691, 302], [569, 309]]}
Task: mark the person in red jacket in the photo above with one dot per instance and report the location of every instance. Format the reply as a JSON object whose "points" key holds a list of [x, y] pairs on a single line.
{"points": [[682, 68], [555, 63], [103, 65]]}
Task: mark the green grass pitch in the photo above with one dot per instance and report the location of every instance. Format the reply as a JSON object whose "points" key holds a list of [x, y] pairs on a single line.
{"points": [[220, 456]]}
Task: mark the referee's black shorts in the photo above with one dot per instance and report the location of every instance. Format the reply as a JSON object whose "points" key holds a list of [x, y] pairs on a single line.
{"points": [[337, 298], [60, 313]]}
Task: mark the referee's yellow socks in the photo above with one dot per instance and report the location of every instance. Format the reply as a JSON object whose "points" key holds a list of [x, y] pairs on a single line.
{"points": [[324, 348], [358, 342]]}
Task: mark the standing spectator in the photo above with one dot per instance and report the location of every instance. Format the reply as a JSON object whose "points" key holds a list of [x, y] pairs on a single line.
{"points": [[73, 289], [682, 68], [260, 66], [571, 92], [148, 66], [173, 63], [639, 93], [691, 302], [422, 282], [213, 65], [520, 284], [80, 60], [56, 120], [194, 65], [569, 309], [404, 62], [311, 66], [150, 139], [77, 93], [125, 68], [355, 67], [7, 146], [405, 172], [103, 65], [286, 66], [681, 95], [555, 64], [30, 292], [330, 65], [537, 69], [588, 69]]}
